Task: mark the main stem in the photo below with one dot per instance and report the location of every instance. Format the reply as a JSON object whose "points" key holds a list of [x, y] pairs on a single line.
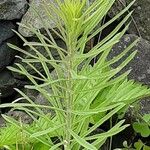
{"points": [[69, 101]]}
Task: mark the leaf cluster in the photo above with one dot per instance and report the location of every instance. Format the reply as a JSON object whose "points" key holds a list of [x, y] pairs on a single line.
{"points": [[139, 145], [143, 126]]}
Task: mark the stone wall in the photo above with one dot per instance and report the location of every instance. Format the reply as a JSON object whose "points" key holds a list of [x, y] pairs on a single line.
{"points": [[11, 11]]}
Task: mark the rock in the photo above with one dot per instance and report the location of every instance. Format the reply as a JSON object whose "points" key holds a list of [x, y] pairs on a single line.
{"points": [[32, 18], [2, 122], [7, 36], [141, 17], [20, 115], [7, 54], [116, 8], [12, 9], [7, 83], [140, 65], [5, 30], [41, 100], [145, 106]]}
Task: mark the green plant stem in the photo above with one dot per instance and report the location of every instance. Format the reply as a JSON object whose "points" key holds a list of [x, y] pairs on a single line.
{"points": [[69, 101]]}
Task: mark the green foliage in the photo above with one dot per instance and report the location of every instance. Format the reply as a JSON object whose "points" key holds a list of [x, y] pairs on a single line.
{"points": [[15, 135], [143, 127], [81, 93], [139, 145]]}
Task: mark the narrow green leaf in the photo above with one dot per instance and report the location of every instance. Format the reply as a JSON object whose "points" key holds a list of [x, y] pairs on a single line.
{"points": [[82, 142], [47, 131]]}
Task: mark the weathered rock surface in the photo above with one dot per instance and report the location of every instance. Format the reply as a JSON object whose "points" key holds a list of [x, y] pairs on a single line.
{"points": [[140, 65], [5, 30], [7, 83], [2, 122], [6, 53], [117, 7], [142, 18], [32, 18], [7, 36], [12, 9], [20, 115]]}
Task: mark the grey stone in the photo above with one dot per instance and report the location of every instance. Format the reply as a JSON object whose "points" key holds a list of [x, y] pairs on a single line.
{"points": [[5, 30], [141, 17], [31, 18], [20, 115], [7, 36], [2, 122], [41, 100], [12, 9], [7, 54], [139, 66], [116, 8], [35, 96], [7, 83]]}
